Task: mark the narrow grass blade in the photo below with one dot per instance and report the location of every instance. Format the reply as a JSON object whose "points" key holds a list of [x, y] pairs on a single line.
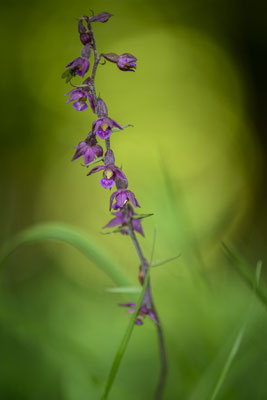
{"points": [[246, 271], [72, 236], [201, 389], [229, 361], [164, 261], [129, 330]]}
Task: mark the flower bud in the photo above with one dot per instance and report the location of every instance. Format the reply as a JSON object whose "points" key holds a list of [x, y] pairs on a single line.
{"points": [[85, 38], [86, 51], [102, 17], [101, 108], [81, 27]]}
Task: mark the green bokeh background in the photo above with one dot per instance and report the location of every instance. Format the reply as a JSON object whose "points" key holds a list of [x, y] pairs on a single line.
{"points": [[195, 158]]}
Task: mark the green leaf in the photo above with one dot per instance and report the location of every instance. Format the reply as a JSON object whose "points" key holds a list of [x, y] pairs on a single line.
{"points": [[72, 236], [95, 161], [128, 332], [67, 75], [125, 289], [164, 261], [81, 86], [140, 216], [114, 129], [229, 361], [117, 230]]}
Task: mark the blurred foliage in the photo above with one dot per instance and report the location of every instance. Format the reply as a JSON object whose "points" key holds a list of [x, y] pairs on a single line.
{"points": [[195, 158]]}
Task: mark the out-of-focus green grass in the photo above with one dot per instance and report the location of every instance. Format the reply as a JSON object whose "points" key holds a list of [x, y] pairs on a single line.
{"points": [[192, 159]]}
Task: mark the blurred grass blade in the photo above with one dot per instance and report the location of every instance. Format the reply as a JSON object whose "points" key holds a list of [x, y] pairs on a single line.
{"points": [[229, 361], [72, 236], [125, 289], [239, 337], [129, 330], [202, 386], [164, 261], [246, 271]]}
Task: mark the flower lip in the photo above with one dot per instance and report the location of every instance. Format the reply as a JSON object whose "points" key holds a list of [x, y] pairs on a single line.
{"points": [[102, 127], [110, 173]]}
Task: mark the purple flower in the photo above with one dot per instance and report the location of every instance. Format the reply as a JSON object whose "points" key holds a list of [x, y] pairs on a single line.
{"points": [[79, 66], [110, 174], [143, 311], [102, 127], [122, 196], [80, 96], [89, 149], [120, 219], [127, 62]]}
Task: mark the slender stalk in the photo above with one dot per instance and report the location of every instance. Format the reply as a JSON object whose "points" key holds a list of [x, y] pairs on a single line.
{"points": [[162, 348], [163, 363], [143, 262]]}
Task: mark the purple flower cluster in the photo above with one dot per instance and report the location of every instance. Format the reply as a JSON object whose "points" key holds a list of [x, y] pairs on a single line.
{"points": [[122, 200]]}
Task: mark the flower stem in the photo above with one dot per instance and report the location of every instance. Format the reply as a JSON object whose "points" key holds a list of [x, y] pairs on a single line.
{"points": [[162, 348], [143, 262], [163, 363], [96, 62]]}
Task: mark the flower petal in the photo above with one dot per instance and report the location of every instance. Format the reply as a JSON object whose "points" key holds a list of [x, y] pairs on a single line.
{"points": [[96, 169]]}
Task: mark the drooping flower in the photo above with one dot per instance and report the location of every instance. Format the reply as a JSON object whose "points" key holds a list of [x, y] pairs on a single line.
{"points": [[122, 196], [102, 127], [89, 149], [110, 174], [120, 219], [78, 66], [143, 311], [125, 61], [80, 96]]}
